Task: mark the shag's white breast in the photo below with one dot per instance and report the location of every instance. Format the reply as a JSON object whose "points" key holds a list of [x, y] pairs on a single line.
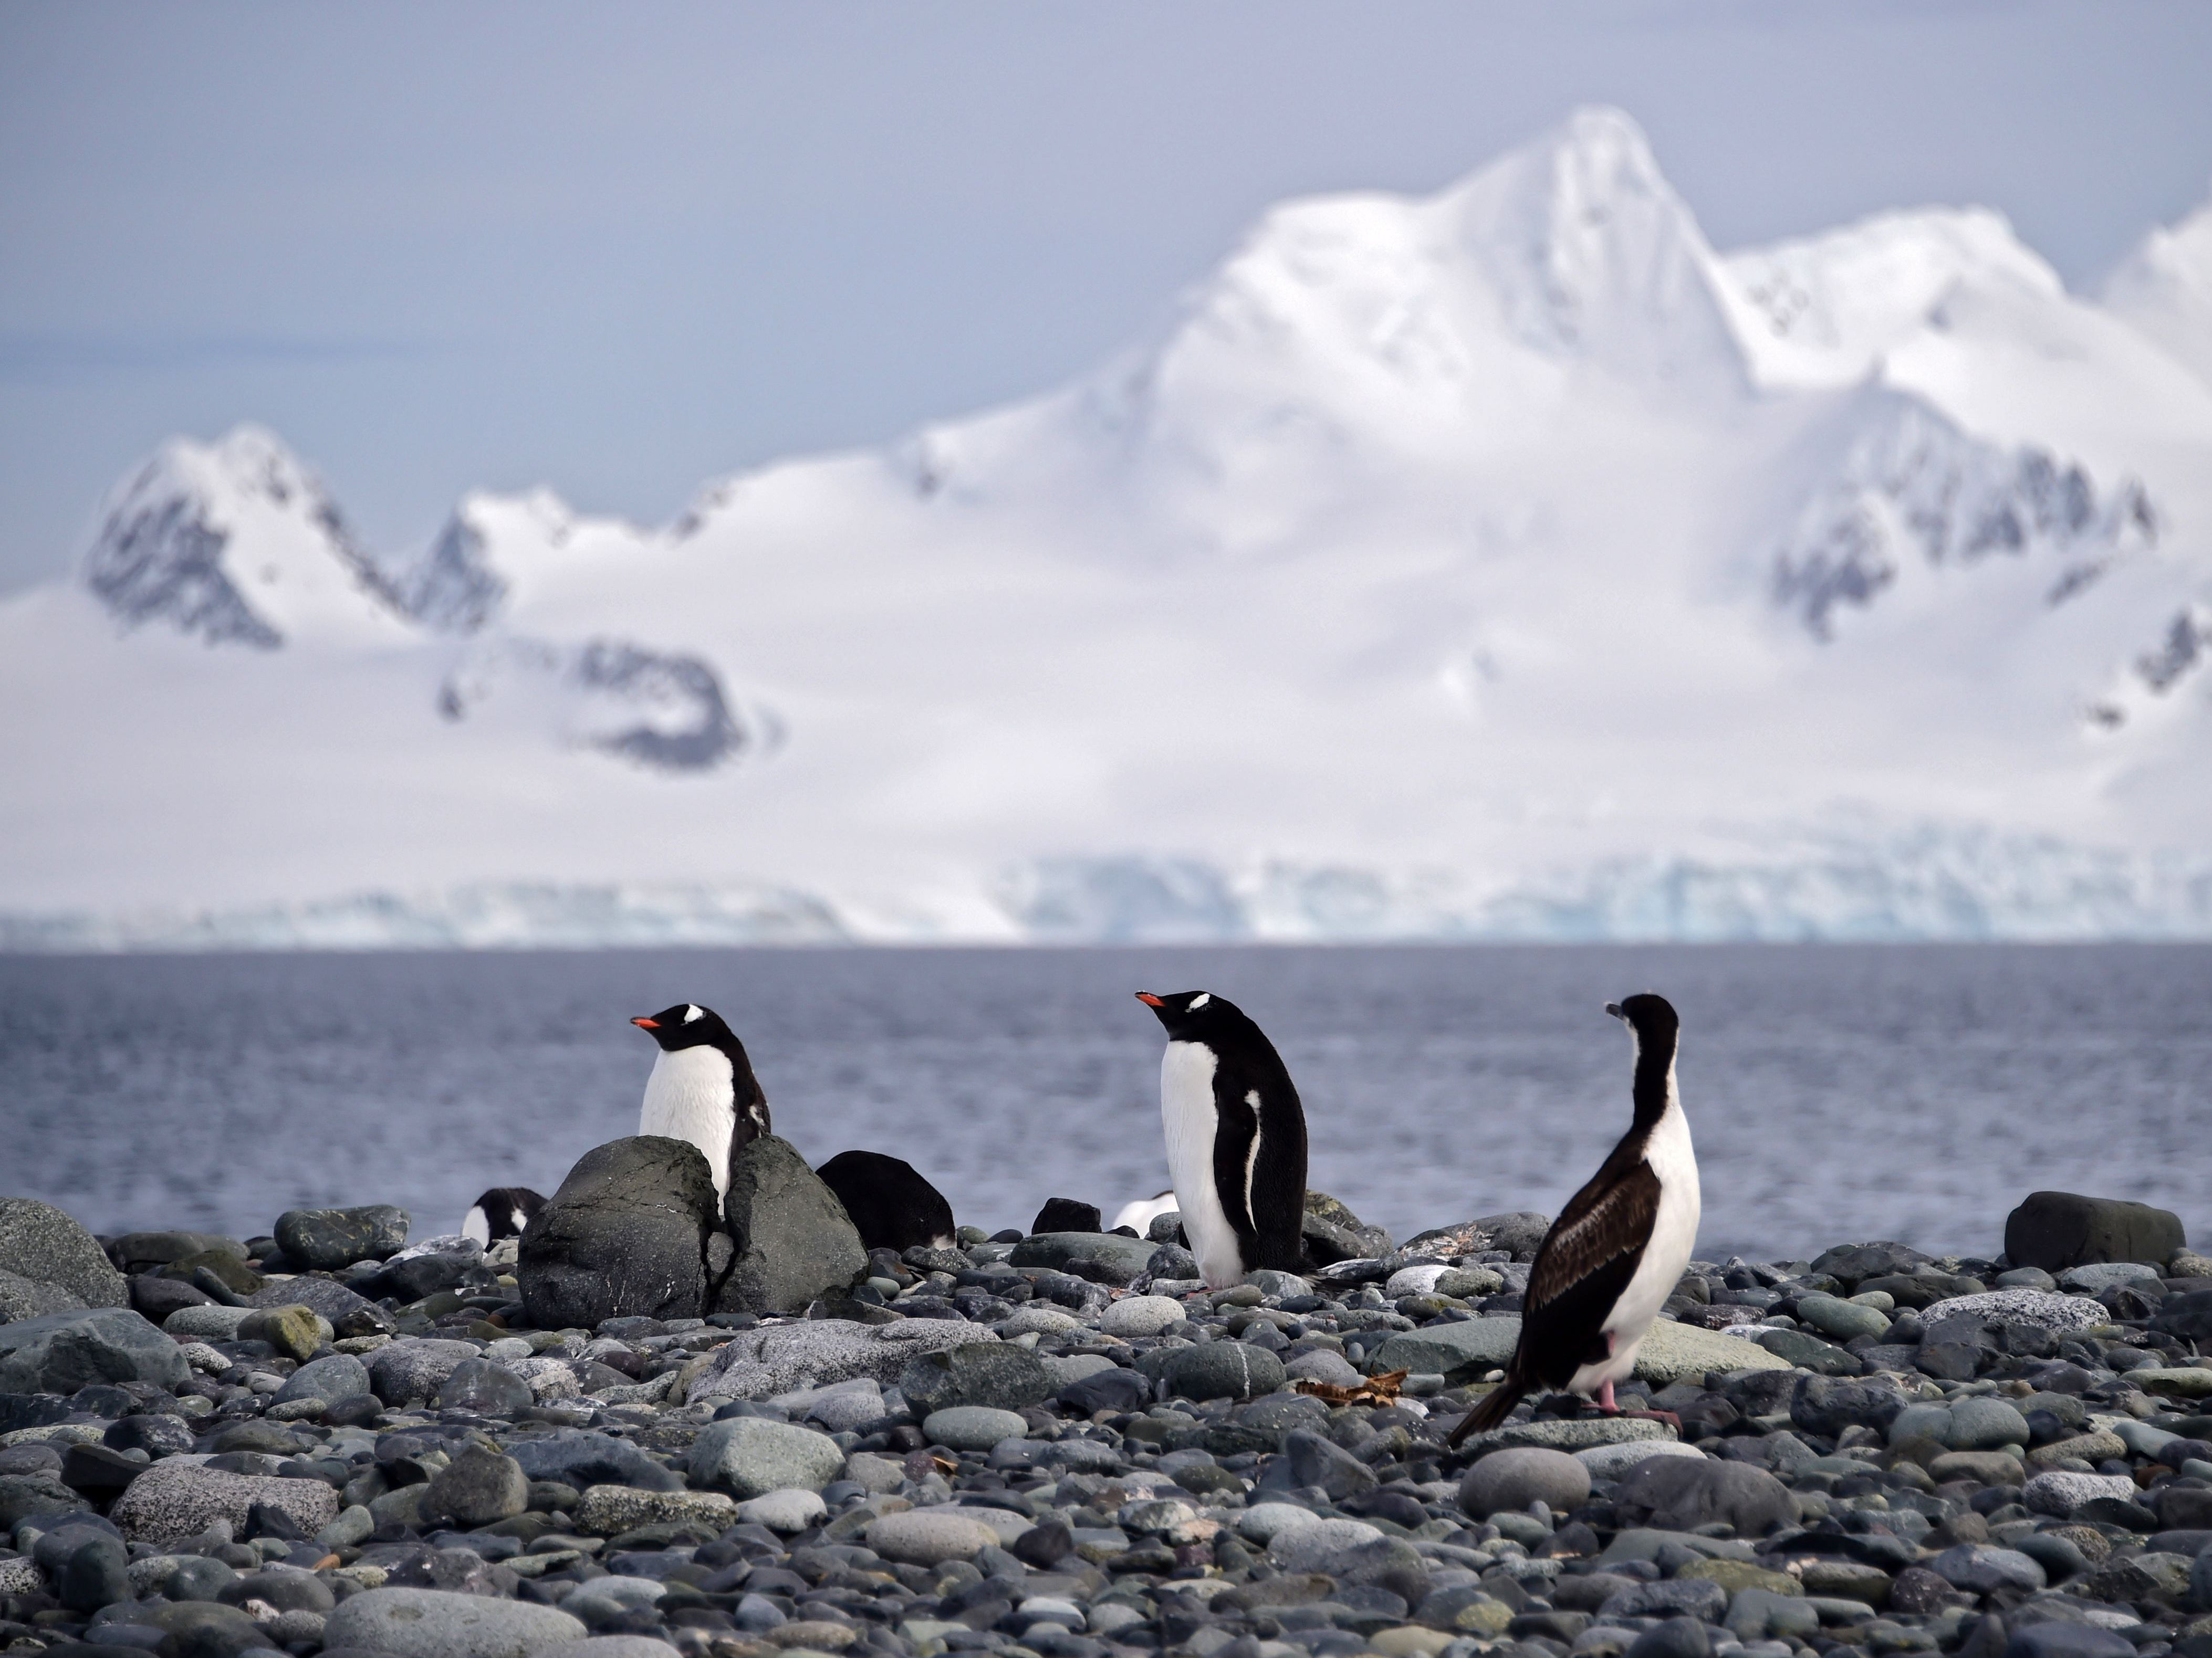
{"points": [[691, 1096], [475, 1225], [1674, 1239]]}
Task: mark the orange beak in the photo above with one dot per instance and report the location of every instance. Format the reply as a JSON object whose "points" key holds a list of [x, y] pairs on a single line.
{"points": [[646, 1025], [1149, 999]]}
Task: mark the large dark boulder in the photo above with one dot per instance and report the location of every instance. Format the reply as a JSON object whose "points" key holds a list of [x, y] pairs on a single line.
{"points": [[627, 1233], [580, 1458], [1068, 1215], [1333, 1233], [486, 1389], [64, 1351], [418, 1276], [155, 1299], [794, 1242], [141, 1252], [37, 1241], [1854, 1263], [1315, 1460], [221, 1275], [999, 1375], [889, 1202], [31, 1411], [325, 1296], [29, 1496], [2057, 1230], [24, 1297], [1221, 1370], [1680, 1493], [1107, 1390], [1828, 1405], [1097, 1257], [323, 1240], [2188, 1315]]}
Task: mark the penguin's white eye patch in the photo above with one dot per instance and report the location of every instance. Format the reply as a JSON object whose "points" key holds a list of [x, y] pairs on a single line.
{"points": [[1201, 1000], [691, 1012]]}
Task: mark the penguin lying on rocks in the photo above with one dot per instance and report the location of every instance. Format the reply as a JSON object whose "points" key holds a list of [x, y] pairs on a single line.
{"points": [[702, 1089], [1617, 1249], [502, 1212], [1236, 1136], [892, 1206], [1139, 1214]]}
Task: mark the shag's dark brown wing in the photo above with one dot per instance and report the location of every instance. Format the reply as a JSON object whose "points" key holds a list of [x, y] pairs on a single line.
{"points": [[1582, 1268]]}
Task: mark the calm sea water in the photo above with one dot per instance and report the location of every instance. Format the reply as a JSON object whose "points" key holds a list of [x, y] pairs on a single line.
{"points": [[1836, 1092]]}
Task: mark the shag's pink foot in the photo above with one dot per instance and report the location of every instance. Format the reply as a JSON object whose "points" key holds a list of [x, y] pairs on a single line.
{"points": [[1604, 1400]]}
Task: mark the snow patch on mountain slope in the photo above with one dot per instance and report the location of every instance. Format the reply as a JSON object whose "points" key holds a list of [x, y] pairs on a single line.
{"points": [[655, 708], [1914, 491], [2164, 290], [236, 542], [1826, 310]]}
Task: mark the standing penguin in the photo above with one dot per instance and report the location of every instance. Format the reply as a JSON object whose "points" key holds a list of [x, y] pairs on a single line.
{"points": [[702, 1087], [1617, 1249], [1236, 1134]]}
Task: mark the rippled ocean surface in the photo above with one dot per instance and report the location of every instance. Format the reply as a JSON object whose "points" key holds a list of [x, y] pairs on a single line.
{"points": [[1836, 1092]]}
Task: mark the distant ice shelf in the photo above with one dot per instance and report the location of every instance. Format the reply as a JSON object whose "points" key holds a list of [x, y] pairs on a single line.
{"points": [[1926, 885]]}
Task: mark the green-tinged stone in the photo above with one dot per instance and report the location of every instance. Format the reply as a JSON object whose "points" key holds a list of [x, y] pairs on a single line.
{"points": [[1485, 1616], [1459, 1352], [2091, 1447], [1807, 1352], [1578, 1435], [1984, 1467], [1683, 1352], [609, 1511], [2190, 1381], [1736, 1574], [293, 1330], [1847, 1579]]}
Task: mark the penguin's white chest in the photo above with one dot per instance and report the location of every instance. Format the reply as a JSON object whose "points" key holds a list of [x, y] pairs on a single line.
{"points": [[1187, 1115], [692, 1095]]}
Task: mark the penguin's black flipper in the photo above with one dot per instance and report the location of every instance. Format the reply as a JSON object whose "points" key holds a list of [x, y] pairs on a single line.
{"points": [[1277, 1196]]}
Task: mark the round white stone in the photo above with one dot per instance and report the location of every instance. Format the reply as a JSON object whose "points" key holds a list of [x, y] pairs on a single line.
{"points": [[1141, 1315]]}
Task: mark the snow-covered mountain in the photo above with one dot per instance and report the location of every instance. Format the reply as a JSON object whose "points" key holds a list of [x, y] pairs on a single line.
{"points": [[1499, 563]]}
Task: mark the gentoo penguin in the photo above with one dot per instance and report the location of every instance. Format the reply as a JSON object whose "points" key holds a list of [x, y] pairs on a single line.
{"points": [[701, 1089], [502, 1212], [1139, 1214], [893, 1206], [1236, 1137], [1617, 1249]]}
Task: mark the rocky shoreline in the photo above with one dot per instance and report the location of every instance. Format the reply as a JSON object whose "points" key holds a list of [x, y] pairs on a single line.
{"points": [[1062, 1445]]}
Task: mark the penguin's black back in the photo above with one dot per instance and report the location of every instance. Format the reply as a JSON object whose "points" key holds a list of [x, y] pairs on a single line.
{"points": [[1270, 1231], [890, 1203], [507, 1210]]}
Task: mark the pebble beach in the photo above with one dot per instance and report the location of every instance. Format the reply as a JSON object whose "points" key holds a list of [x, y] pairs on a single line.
{"points": [[1063, 1445]]}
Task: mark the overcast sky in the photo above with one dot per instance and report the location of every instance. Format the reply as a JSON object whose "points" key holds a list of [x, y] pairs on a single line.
{"points": [[620, 249]]}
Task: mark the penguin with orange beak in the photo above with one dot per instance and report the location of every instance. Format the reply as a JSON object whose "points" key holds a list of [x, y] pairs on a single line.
{"points": [[1236, 1135], [702, 1089]]}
